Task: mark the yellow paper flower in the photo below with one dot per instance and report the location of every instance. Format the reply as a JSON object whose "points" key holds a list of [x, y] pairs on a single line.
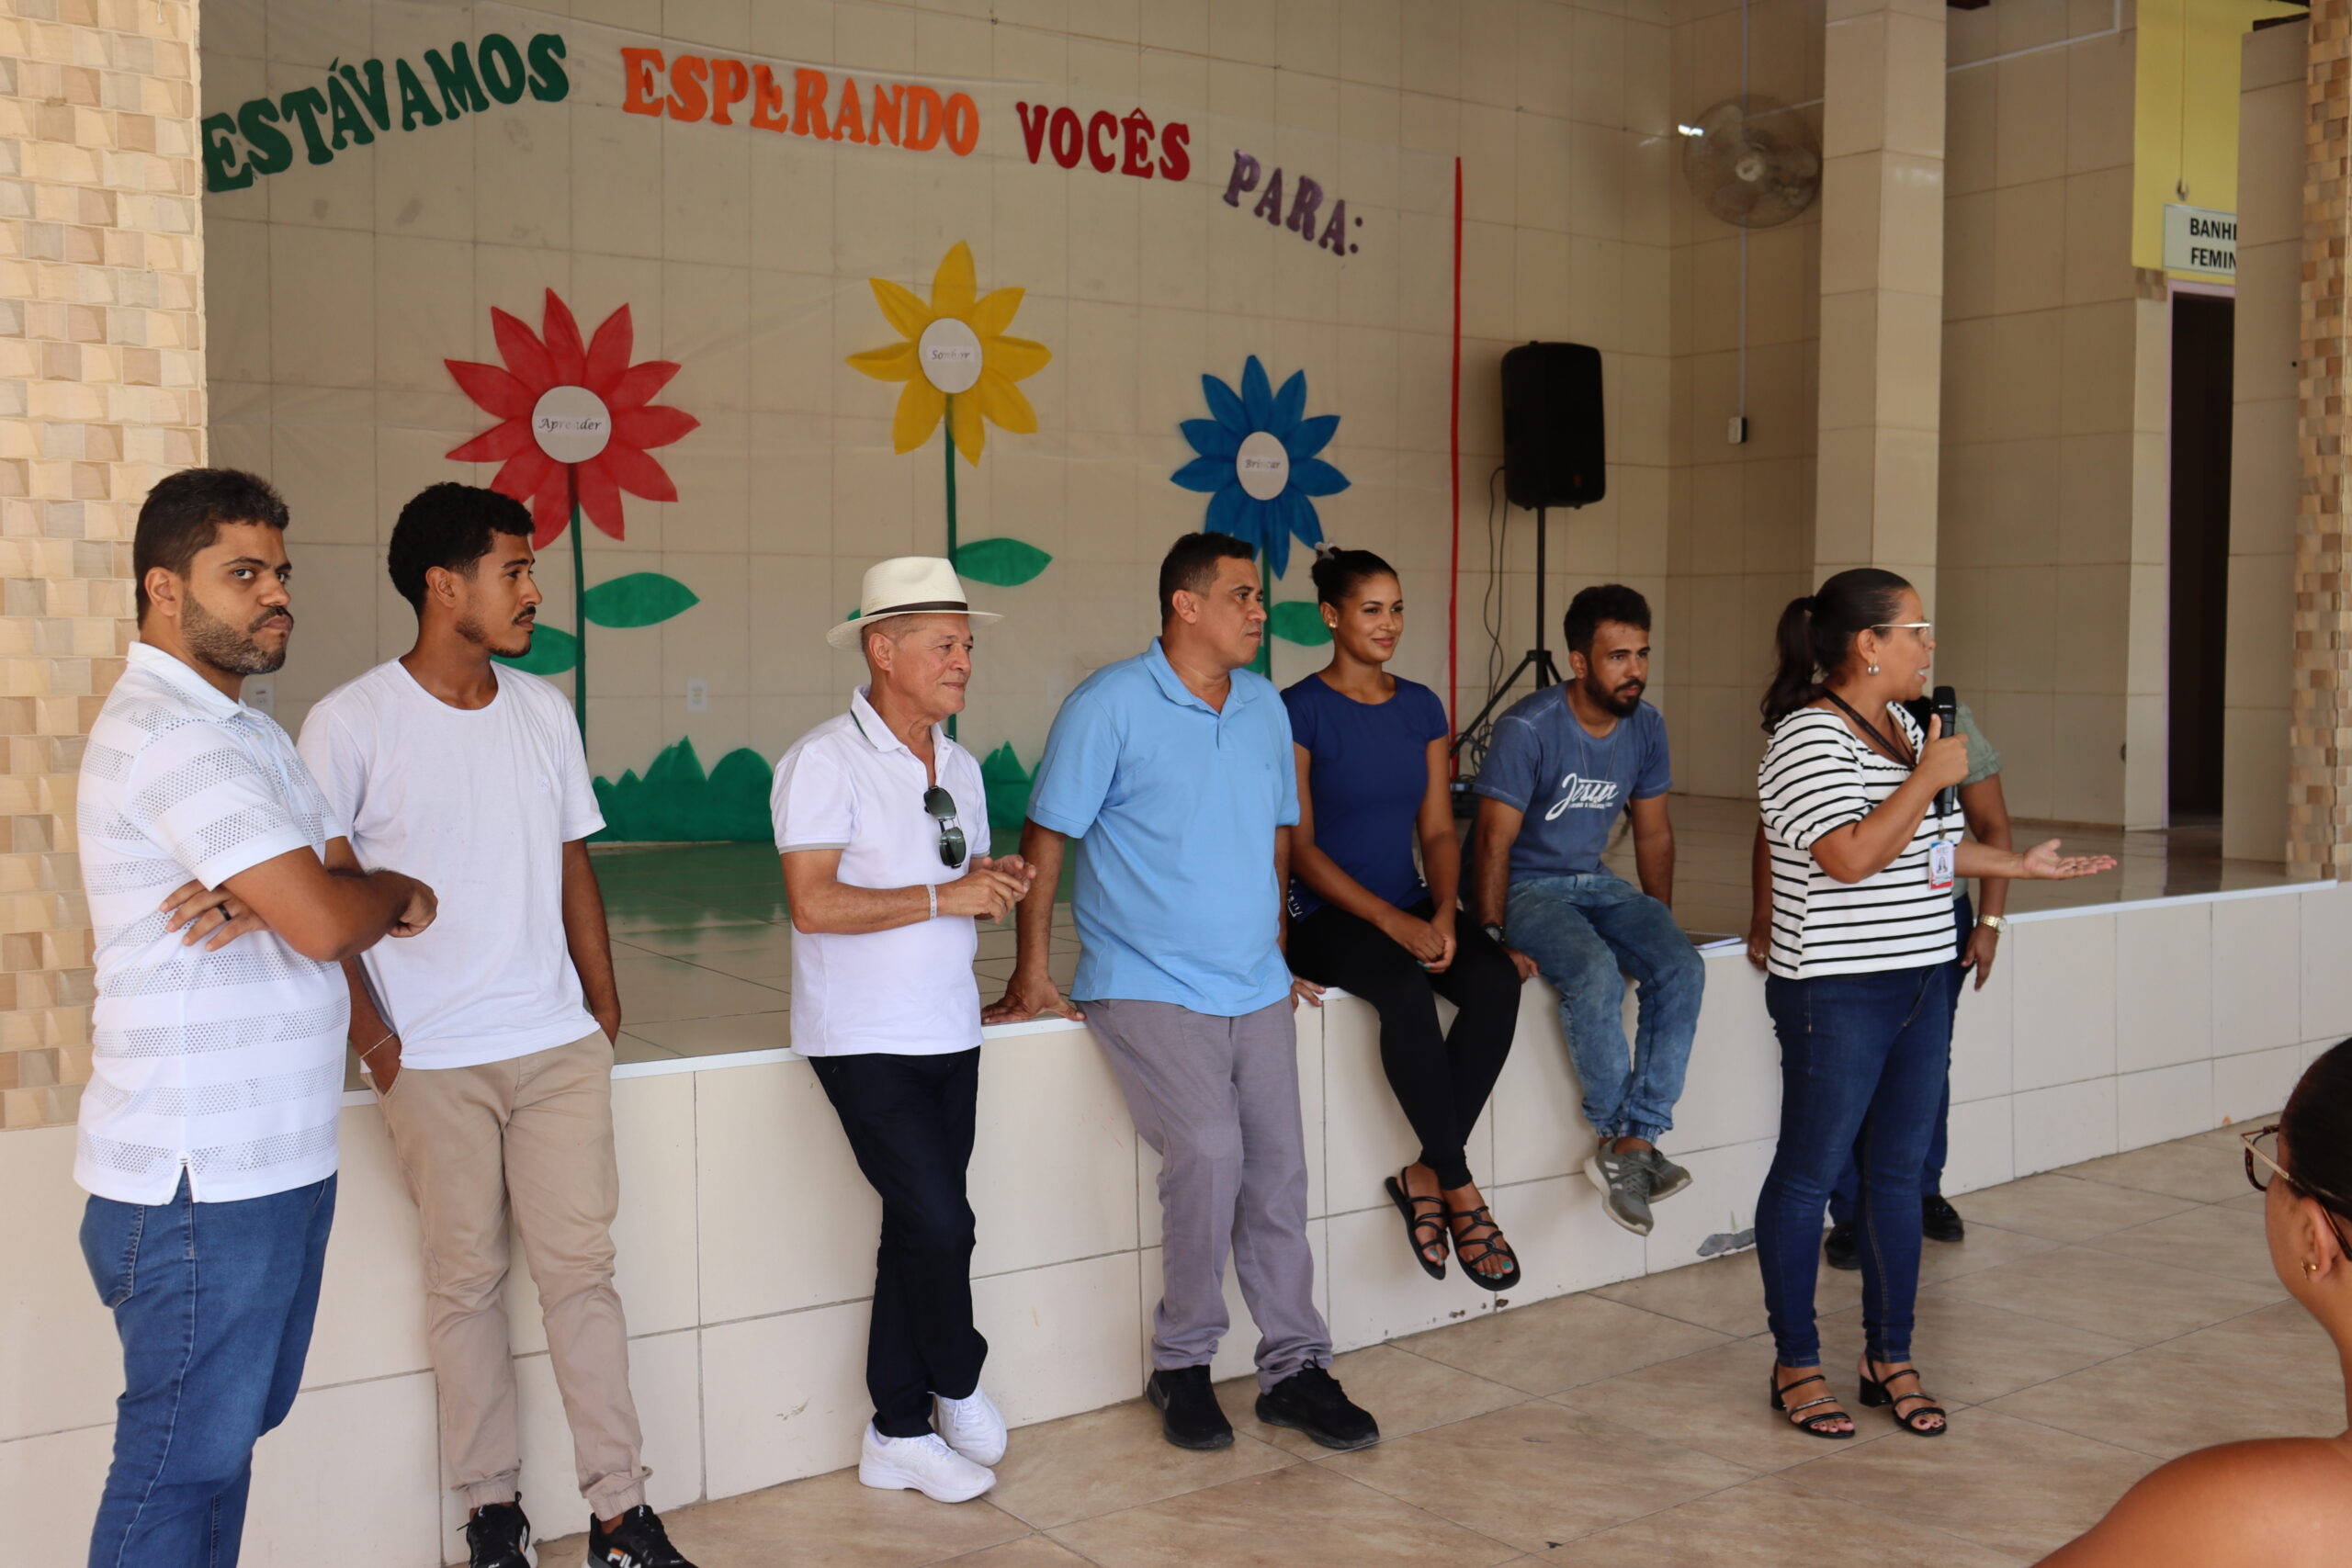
{"points": [[955, 356]]}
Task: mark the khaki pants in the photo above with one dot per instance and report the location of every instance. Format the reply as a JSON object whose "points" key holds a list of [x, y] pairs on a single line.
{"points": [[538, 1131]]}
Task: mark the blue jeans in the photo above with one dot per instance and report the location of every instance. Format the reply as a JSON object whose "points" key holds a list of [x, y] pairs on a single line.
{"points": [[1587, 933], [1931, 1173], [213, 1302], [1862, 1060]]}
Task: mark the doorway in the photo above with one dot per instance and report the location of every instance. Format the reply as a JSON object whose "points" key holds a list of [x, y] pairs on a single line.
{"points": [[2202, 337]]}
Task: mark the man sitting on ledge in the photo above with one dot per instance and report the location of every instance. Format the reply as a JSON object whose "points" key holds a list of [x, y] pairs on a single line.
{"points": [[1175, 769]]}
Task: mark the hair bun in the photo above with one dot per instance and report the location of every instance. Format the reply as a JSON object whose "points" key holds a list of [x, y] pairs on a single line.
{"points": [[1327, 552]]}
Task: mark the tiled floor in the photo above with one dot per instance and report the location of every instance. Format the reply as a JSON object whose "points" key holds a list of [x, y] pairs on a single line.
{"points": [[2097, 1322], [702, 934]]}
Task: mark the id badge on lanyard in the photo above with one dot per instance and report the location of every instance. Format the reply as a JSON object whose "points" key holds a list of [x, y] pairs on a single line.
{"points": [[1942, 858]]}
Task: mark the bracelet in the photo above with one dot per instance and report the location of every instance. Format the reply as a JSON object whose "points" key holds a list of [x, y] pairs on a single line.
{"points": [[378, 1045], [1997, 924], [933, 888]]}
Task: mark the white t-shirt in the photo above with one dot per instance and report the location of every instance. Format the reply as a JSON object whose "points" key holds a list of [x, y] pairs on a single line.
{"points": [[1816, 776], [850, 784], [227, 1065], [478, 805]]}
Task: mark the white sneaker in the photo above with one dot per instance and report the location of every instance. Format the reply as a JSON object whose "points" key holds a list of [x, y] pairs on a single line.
{"points": [[923, 1464], [973, 1426]]}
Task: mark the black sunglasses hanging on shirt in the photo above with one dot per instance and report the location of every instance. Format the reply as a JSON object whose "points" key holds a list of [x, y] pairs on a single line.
{"points": [[941, 807]]}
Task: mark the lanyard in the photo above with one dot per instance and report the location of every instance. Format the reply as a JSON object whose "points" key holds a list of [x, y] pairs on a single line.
{"points": [[1876, 738]]}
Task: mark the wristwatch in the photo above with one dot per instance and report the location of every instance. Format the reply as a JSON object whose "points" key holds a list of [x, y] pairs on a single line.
{"points": [[1494, 933], [1997, 924]]}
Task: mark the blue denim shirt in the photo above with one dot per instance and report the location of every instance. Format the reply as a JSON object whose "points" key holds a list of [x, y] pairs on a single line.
{"points": [[1175, 805]]}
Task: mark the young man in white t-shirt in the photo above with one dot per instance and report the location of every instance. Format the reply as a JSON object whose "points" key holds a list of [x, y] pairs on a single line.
{"points": [[491, 1043], [882, 822], [207, 1137]]}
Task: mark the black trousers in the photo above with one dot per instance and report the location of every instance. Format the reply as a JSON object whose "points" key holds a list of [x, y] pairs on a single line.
{"points": [[1440, 1078], [909, 1123]]}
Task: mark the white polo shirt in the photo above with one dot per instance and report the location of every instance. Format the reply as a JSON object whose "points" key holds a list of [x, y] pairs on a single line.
{"points": [[850, 784], [227, 1066]]}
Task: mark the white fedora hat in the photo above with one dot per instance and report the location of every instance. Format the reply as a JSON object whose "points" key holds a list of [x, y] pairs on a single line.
{"points": [[907, 585]]}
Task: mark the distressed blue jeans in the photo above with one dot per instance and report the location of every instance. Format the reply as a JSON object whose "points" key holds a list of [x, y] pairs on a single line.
{"points": [[213, 1302], [1587, 933], [1862, 1060]]}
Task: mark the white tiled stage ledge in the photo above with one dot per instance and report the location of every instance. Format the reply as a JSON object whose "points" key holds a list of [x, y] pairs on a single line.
{"points": [[746, 1235]]}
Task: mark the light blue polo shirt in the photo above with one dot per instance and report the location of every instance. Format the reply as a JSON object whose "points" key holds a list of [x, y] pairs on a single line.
{"points": [[1175, 806]]}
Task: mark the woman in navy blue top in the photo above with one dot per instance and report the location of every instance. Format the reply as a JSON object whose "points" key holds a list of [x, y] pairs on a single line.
{"points": [[1372, 780]]}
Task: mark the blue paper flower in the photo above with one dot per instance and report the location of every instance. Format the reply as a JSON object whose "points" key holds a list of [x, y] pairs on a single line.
{"points": [[1258, 462]]}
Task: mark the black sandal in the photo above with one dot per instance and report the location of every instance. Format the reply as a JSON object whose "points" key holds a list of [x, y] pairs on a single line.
{"points": [[1815, 1425], [1874, 1394], [1490, 1245], [1405, 1200]]}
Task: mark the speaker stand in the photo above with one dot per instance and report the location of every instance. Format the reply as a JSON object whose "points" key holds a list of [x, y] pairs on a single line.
{"points": [[1536, 660]]}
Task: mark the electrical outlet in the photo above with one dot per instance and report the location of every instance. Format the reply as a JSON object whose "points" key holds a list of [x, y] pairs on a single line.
{"points": [[698, 697], [261, 691]]}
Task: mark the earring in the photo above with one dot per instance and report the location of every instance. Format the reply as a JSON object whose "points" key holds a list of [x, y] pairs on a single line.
{"points": [[1872, 670], [2310, 1268]]}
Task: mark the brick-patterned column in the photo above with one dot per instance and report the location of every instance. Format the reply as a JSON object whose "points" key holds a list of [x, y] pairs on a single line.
{"points": [[1882, 288], [2319, 760], [101, 394]]}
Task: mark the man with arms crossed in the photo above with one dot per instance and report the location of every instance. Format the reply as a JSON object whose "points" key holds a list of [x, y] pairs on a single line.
{"points": [[1175, 768], [1561, 766], [490, 1041], [208, 1131], [883, 825]]}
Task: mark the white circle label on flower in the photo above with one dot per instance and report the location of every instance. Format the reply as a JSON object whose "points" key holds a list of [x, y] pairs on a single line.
{"points": [[1262, 465], [571, 424], [949, 355]]}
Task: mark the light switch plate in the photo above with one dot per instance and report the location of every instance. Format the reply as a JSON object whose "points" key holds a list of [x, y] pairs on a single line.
{"points": [[261, 691], [698, 697]]}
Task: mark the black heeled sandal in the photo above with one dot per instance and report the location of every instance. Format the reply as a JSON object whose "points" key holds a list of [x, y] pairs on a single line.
{"points": [[1405, 1200], [1815, 1425], [1490, 1245], [1874, 1394]]}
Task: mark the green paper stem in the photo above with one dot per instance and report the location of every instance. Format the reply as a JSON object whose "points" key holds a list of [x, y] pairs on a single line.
{"points": [[579, 599], [948, 440]]}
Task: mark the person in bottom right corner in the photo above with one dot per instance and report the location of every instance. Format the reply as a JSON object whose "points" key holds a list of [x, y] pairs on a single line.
{"points": [[2276, 1502], [1979, 927]]}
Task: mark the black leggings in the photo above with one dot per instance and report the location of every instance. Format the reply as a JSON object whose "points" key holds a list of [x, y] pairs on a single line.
{"points": [[1440, 1080]]}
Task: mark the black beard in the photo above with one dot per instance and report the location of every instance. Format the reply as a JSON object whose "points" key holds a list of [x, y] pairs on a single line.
{"points": [[470, 629], [1602, 697], [224, 647]]}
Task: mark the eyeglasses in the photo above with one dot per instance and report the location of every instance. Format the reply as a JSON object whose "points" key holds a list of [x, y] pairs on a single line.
{"points": [[1922, 627], [2256, 1151], [941, 807]]}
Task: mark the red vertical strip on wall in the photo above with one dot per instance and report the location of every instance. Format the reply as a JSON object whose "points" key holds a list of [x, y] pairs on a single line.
{"points": [[1453, 443]]}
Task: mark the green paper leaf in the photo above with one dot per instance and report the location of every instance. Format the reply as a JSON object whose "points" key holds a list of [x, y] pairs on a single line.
{"points": [[1000, 563], [553, 651], [1298, 621], [641, 599]]}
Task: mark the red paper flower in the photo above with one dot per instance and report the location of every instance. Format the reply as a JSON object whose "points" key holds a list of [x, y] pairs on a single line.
{"points": [[623, 393]]}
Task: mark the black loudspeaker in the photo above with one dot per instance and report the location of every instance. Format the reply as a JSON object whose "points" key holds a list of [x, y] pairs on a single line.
{"points": [[1552, 425]]}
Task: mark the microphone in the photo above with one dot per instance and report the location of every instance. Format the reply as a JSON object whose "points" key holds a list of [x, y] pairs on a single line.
{"points": [[1948, 712]]}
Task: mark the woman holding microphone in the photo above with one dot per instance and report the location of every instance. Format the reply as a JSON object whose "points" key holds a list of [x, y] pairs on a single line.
{"points": [[1860, 971]]}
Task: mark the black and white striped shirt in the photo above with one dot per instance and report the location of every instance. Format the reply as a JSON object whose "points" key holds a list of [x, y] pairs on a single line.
{"points": [[1817, 776]]}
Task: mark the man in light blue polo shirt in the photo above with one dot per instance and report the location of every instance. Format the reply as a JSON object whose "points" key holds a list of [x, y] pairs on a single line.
{"points": [[1174, 769]]}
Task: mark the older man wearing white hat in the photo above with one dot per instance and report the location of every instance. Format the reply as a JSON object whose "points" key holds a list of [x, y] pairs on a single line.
{"points": [[883, 825]]}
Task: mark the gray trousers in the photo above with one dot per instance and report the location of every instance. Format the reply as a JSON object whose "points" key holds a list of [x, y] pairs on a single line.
{"points": [[1218, 1099]]}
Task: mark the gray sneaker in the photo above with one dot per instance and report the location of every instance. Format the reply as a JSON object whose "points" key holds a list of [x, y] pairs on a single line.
{"points": [[1625, 1183], [1667, 1178]]}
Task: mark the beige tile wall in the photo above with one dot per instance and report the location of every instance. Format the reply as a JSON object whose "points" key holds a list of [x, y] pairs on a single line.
{"points": [[1741, 541], [101, 394], [745, 258], [2050, 596], [2265, 472]]}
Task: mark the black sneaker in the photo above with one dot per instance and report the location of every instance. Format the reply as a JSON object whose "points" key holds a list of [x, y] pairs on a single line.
{"points": [[1311, 1400], [499, 1536], [1841, 1251], [1939, 1221], [638, 1542], [1190, 1415]]}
